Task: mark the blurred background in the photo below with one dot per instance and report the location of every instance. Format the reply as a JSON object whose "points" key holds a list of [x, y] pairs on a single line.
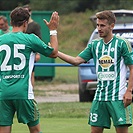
{"points": [[68, 6], [74, 30]]}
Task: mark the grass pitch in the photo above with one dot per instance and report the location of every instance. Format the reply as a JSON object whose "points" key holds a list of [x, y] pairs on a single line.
{"points": [[62, 118]]}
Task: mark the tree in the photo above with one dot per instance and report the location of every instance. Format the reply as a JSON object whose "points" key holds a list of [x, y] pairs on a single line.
{"points": [[7, 5], [68, 6]]}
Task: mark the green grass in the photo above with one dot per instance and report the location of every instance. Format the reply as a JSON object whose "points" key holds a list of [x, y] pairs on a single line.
{"points": [[63, 118], [62, 125], [64, 110], [57, 125], [66, 75]]}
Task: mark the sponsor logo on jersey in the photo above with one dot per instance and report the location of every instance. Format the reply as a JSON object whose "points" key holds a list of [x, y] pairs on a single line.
{"points": [[13, 76], [104, 76], [106, 61]]}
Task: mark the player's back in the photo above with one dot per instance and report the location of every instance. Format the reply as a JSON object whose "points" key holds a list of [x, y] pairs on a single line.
{"points": [[16, 61]]}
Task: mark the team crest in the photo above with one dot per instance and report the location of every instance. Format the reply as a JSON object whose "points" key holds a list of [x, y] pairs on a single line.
{"points": [[112, 49]]}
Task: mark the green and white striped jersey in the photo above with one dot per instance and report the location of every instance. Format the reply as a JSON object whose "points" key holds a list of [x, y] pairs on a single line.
{"points": [[111, 62], [17, 54]]}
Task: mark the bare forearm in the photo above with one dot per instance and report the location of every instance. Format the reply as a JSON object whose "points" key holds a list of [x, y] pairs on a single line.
{"points": [[53, 25], [130, 82], [127, 98], [70, 59], [54, 44]]}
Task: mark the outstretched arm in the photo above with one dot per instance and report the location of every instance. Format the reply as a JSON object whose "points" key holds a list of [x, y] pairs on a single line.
{"points": [[70, 59], [53, 25]]}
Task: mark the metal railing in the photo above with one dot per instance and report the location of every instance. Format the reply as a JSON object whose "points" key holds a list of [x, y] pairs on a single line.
{"points": [[62, 65]]}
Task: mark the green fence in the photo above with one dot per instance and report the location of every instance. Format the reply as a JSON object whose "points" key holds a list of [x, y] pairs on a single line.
{"points": [[38, 16]]}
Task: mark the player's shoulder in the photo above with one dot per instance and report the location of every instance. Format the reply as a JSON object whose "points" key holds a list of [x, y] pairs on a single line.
{"points": [[31, 37], [121, 39], [95, 41], [124, 42]]}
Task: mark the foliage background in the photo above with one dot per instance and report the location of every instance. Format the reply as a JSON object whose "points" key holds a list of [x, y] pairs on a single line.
{"points": [[68, 6]]}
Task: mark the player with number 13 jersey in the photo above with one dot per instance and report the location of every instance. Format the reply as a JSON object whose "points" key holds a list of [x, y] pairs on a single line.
{"points": [[111, 60]]}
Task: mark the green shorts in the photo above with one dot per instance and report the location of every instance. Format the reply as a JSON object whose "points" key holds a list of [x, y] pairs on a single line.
{"points": [[26, 110], [102, 111]]}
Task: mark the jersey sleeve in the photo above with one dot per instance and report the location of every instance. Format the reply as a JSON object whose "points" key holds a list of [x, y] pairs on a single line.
{"points": [[127, 53], [37, 45], [86, 54]]}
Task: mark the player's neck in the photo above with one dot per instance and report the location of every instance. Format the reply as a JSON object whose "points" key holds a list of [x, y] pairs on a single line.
{"points": [[108, 38], [17, 29], [21, 28]]}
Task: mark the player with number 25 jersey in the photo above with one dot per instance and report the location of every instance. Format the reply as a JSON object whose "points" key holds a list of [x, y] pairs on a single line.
{"points": [[17, 61]]}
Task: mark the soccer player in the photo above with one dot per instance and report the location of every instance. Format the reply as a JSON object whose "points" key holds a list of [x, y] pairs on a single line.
{"points": [[17, 53], [112, 55]]}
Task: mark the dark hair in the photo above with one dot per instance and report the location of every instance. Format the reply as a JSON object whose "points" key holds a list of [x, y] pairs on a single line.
{"points": [[18, 16], [109, 15]]}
